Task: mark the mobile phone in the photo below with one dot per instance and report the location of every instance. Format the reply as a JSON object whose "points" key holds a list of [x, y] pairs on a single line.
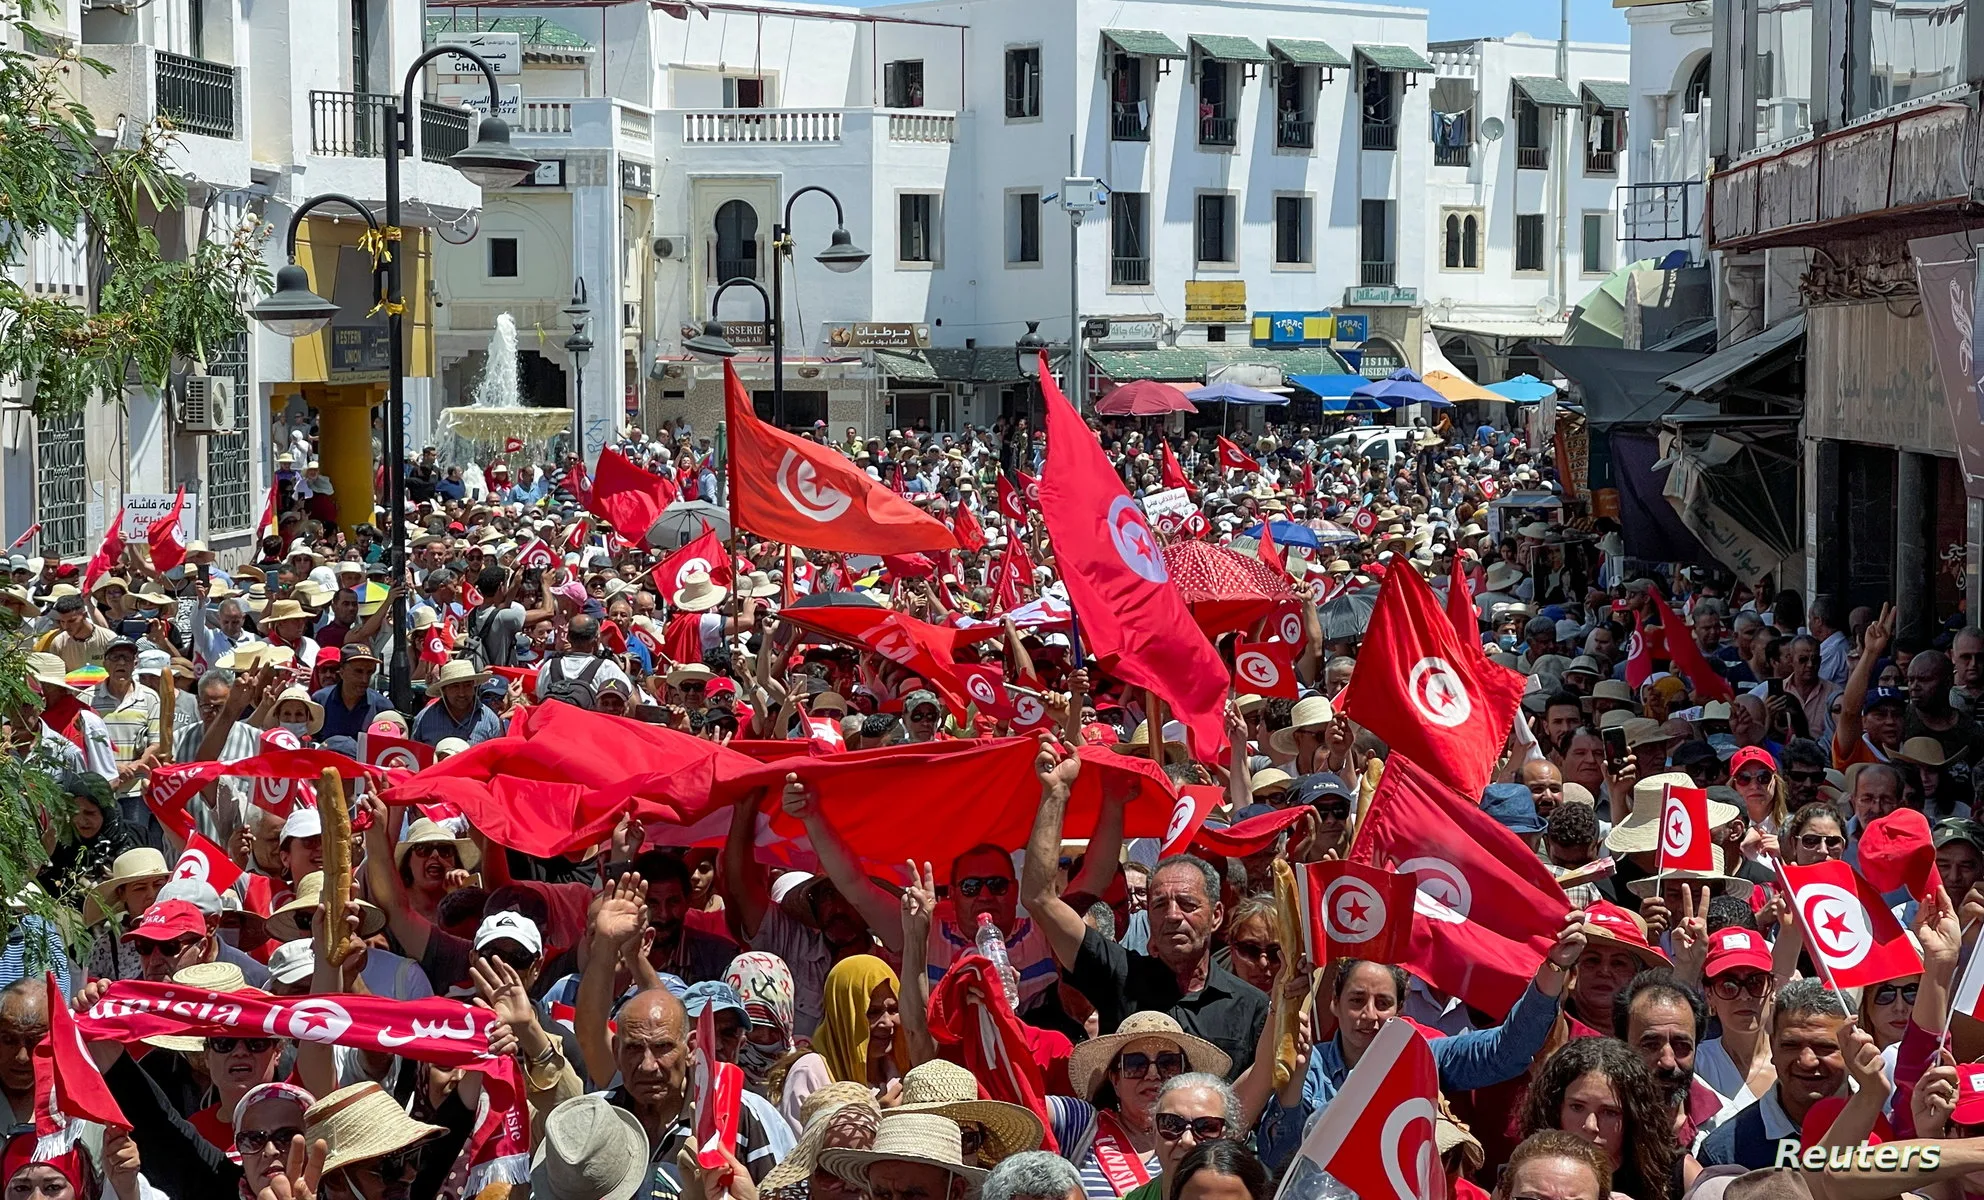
{"points": [[1773, 688], [653, 714], [202, 569], [1615, 744]]}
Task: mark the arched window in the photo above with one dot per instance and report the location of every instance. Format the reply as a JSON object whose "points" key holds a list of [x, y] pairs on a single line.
{"points": [[1453, 241], [1697, 89], [736, 241], [1470, 242]]}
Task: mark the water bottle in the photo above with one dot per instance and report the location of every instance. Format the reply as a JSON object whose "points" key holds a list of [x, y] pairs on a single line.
{"points": [[992, 944]]}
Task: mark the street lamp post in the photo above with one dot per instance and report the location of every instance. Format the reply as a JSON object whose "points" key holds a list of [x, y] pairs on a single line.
{"points": [[576, 348], [1028, 349], [293, 310], [840, 256], [711, 344]]}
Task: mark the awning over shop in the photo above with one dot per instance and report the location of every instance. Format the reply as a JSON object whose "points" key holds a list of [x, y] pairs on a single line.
{"points": [[1145, 42], [1228, 48], [1200, 364], [1514, 331], [1546, 92], [1733, 480], [1719, 368], [1698, 338], [1393, 58], [1607, 93], [1621, 387], [1329, 386], [950, 364], [1306, 52]]}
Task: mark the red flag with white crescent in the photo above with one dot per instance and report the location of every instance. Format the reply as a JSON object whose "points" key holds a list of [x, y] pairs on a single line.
{"points": [[1195, 802], [965, 524], [1351, 910], [1029, 488], [207, 863], [1685, 844], [387, 752], [703, 553], [985, 686], [1850, 932], [437, 643], [1265, 669], [167, 543], [1639, 654], [1233, 458], [719, 1095], [1377, 1138], [534, 553], [1011, 503]]}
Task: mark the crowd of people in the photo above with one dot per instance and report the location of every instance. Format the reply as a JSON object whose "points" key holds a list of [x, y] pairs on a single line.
{"points": [[1156, 1025]]}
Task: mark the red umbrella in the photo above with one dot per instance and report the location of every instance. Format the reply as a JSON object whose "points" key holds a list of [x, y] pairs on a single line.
{"points": [[1144, 398], [1224, 588]]}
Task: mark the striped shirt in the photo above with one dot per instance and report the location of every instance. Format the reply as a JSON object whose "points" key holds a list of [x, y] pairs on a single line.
{"points": [[233, 802], [1074, 1123], [132, 720], [1027, 950]]}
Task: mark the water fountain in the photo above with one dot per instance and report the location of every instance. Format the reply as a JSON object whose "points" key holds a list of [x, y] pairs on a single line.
{"points": [[497, 413]]}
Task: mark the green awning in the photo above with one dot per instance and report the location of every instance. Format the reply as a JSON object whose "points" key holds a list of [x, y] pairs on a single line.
{"points": [[1608, 93], [1393, 58], [905, 364], [1146, 42], [951, 364], [1304, 52], [1228, 48], [1546, 92]]}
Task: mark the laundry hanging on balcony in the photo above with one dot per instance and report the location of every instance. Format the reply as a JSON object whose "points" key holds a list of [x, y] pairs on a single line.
{"points": [[1450, 129]]}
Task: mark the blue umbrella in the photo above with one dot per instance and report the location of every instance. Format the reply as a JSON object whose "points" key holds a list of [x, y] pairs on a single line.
{"points": [[1403, 387], [1287, 533], [1234, 393], [1524, 389], [1328, 386], [1356, 404]]}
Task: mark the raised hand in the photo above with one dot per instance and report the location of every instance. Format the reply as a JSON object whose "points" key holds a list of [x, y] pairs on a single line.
{"points": [[798, 799], [1057, 765], [300, 1174], [623, 911], [499, 986], [919, 902]]}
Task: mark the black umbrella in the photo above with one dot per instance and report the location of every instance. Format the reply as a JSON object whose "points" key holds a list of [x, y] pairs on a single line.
{"points": [[836, 600], [683, 521], [1347, 616]]}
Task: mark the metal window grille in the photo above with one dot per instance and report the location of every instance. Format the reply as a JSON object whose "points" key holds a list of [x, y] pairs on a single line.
{"points": [[61, 478], [230, 501]]}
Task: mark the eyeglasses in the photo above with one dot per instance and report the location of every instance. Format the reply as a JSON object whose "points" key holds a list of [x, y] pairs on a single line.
{"points": [[998, 885], [433, 849], [226, 1045], [1754, 777], [1256, 950], [1821, 841], [1888, 993], [146, 947], [1806, 776], [400, 1165], [1729, 987], [1137, 1066], [1171, 1127], [1334, 812], [254, 1141]]}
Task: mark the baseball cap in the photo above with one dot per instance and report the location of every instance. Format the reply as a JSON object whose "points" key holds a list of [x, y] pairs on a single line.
{"points": [[292, 962], [917, 699], [167, 920], [1318, 787], [509, 927], [1749, 755], [1969, 1108], [196, 892], [302, 822], [1733, 949], [1879, 696], [712, 993]]}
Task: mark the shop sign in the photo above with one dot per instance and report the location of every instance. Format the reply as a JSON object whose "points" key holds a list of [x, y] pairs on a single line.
{"points": [[1215, 301]]}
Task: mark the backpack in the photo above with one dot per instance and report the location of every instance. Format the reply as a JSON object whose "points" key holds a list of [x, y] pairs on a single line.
{"points": [[575, 690], [473, 647]]}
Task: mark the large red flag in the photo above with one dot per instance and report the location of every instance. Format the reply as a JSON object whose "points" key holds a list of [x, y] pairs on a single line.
{"points": [[1424, 693], [74, 1089], [929, 651], [1851, 933], [703, 554], [1265, 669], [1639, 655], [1133, 616], [1232, 457], [1460, 607], [1488, 910], [1350, 910], [792, 490], [168, 547], [1688, 658], [1377, 1138], [1173, 473], [626, 497], [107, 553], [964, 523]]}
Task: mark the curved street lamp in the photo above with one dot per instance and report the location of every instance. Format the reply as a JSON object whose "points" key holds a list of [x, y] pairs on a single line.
{"points": [[712, 344], [841, 256]]}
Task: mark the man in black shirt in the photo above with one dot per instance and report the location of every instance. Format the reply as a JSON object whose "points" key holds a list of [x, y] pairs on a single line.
{"points": [[421, 477], [1178, 975]]}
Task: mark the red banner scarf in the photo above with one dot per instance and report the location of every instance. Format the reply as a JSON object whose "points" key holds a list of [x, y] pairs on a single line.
{"points": [[1119, 1161], [443, 1032], [991, 1041]]}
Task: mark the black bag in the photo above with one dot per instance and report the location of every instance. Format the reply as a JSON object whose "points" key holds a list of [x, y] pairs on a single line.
{"points": [[575, 690]]}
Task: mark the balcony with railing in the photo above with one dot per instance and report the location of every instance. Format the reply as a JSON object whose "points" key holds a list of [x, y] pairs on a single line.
{"points": [[1127, 122], [445, 130], [197, 95], [1215, 130], [923, 126], [1533, 158], [762, 126], [1380, 135], [348, 124], [1293, 131], [1378, 274], [1452, 156], [1601, 162], [1129, 272]]}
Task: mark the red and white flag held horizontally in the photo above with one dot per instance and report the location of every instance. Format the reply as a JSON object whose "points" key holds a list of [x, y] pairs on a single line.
{"points": [[206, 863], [1232, 457], [1851, 934], [1265, 668], [1350, 910]]}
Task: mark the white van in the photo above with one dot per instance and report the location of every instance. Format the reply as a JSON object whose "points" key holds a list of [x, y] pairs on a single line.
{"points": [[1386, 442]]}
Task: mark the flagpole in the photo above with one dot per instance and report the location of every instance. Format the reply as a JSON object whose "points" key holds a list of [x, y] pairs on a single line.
{"points": [[1154, 725], [1818, 954]]}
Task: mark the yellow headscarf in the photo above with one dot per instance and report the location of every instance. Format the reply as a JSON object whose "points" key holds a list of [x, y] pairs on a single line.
{"points": [[842, 1038]]}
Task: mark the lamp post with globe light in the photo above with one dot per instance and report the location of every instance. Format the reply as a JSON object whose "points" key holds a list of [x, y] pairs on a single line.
{"points": [[841, 256], [293, 310]]}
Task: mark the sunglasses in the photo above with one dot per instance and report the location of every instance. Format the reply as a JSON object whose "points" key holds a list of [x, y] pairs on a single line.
{"points": [[226, 1045], [971, 1138], [998, 885], [403, 1164], [254, 1141], [1171, 1127], [146, 947], [1256, 950], [1888, 993], [1820, 841], [1729, 987], [1754, 777], [1138, 1066], [1806, 776], [520, 959], [434, 849], [1334, 812]]}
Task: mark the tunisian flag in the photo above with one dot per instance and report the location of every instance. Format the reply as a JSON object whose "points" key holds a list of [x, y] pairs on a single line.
{"points": [[107, 554], [719, 1095], [1232, 457], [1132, 616], [168, 548], [1639, 655], [1684, 833], [1353, 910], [703, 553], [207, 863], [1265, 669], [964, 523], [1687, 657], [1460, 608], [1425, 694], [68, 1087], [1379, 1143], [1011, 503], [788, 489], [1173, 473], [1851, 933], [1487, 909], [626, 497]]}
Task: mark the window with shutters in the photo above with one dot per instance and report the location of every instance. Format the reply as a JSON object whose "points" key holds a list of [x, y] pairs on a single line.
{"points": [[61, 479], [1215, 227], [1294, 237], [917, 228], [1529, 242]]}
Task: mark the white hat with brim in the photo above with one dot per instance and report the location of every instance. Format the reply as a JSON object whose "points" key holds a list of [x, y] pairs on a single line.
{"points": [[132, 866], [49, 670], [1639, 833], [284, 610], [590, 1150], [250, 655], [1139, 745], [424, 832], [363, 1122], [698, 593], [285, 923], [1090, 1062], [689, 673], [1310, 712], [302, 696], [926, 1139]]}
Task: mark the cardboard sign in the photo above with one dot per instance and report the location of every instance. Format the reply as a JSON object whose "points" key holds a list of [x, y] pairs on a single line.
{"points": [[143, 508]]}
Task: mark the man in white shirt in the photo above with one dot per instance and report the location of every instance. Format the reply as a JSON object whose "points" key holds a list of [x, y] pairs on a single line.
{"points": [[1822, 619]]}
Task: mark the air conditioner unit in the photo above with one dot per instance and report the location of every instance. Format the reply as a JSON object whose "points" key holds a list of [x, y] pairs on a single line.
{"points": [[206, 404], [672, 247]]}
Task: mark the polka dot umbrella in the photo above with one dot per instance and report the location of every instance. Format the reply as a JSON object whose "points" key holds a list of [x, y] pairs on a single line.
{"points": [[1226, 590]]}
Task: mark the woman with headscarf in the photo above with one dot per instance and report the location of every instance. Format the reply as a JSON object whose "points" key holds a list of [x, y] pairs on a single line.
{"points": [[858, 1039], [99, 835], [33, 1169], [764, 983]]}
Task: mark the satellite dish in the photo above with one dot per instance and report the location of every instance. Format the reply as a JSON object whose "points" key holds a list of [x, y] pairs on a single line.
{"points": [[1547, 308], [1491, 128]]}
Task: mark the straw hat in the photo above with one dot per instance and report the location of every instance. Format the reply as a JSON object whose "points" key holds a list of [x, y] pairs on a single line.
{"points": [[217, 976], [363, 1122], [424, 832], [1310, 712], [1269, 778], [132, 866], [1718, 880], [689, 673], [589, 1150], [285, 610], [301, 695], [1639, 833], [698, 594], [455, 670], [949, 1090], [49, 670], [759, 586], [251, 655], [915, 1137], [815, 1112], [284, 923], [1090, 1062], [1139, 745]]}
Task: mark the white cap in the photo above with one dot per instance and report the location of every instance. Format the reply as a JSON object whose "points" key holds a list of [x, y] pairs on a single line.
{"points": [[153, 662], [292, 962], [509, 927], [448, 748], [788, 883], [302, 822]]}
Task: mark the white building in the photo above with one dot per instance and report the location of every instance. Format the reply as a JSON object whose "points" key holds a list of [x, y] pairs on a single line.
{"points": [[1522, 193], [1667, 132]]}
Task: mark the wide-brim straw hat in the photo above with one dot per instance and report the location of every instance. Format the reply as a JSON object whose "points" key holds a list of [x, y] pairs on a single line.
{"points": [[132, 866], [1139, 745], [251, 655], [424, 832], [216, 976], [943, 1087], [455, 670], [302, 696], [915, 1137], [284, 924], [1639, 833], [363, 1122], [759, 586], [1310, 712], [1090, 1062], [815, 1111], [284, 610], [698, 593], [1719, 882]]}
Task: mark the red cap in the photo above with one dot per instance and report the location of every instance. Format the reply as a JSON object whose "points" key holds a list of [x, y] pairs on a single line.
{"points": [[1734, 948], [166, 921], [1751, 754], [328, 655], [722, 685], [1897, 851], [1608, 922], [1969, 1108]]}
